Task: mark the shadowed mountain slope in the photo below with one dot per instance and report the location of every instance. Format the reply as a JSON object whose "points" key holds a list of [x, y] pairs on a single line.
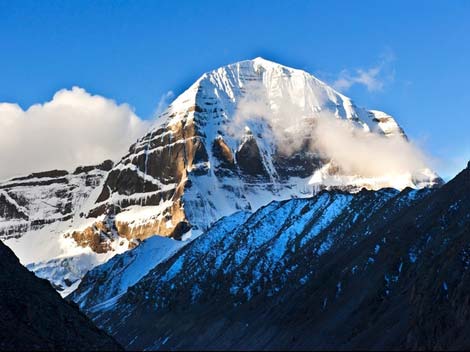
{"points": [[33, 316]]}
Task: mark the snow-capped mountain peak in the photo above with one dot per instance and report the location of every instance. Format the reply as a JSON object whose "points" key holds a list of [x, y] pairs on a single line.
{"points": [[239, 137]]}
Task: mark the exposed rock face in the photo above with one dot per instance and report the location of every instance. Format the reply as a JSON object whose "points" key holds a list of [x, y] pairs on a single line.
{"points": [[249, 158], [34, 317], [31, 202], [222, 152], [371, 270], [153, 173], [96, 237]]}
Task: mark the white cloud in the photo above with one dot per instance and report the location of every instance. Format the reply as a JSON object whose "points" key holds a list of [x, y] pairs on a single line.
{"points": [[74, 128], [163, 103], [360, 152], [356, 151], [374, 78], [368, 78]]}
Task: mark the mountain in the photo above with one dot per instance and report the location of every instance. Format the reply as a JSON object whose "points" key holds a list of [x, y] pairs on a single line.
{"points": [[382, 269], [34, 317], [238, 138]]}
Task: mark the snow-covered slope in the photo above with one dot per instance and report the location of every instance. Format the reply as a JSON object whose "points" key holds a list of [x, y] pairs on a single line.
{"points": [[249, 248], [107, 282]]}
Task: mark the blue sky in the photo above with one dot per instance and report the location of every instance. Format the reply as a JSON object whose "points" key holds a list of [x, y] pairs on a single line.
{"points": [[416, 53]]}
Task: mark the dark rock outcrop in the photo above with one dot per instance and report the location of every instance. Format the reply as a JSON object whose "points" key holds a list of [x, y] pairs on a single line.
{"points": [[301, 164], [106, 165], [249, 158], [43, 174], [222, 152]]}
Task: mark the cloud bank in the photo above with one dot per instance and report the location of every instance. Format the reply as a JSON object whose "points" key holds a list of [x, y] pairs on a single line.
{"points": [[355, 150], [360, 152], [373, 78], [369, 78], [74, 128], [290, 123], [163, 103]]}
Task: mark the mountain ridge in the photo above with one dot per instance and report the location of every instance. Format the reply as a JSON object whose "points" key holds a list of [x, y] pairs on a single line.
{"points": [[336, 271]]}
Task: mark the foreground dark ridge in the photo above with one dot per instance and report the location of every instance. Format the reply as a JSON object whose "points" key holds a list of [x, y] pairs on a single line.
{"points": [[33, 316], [374, 270]]}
